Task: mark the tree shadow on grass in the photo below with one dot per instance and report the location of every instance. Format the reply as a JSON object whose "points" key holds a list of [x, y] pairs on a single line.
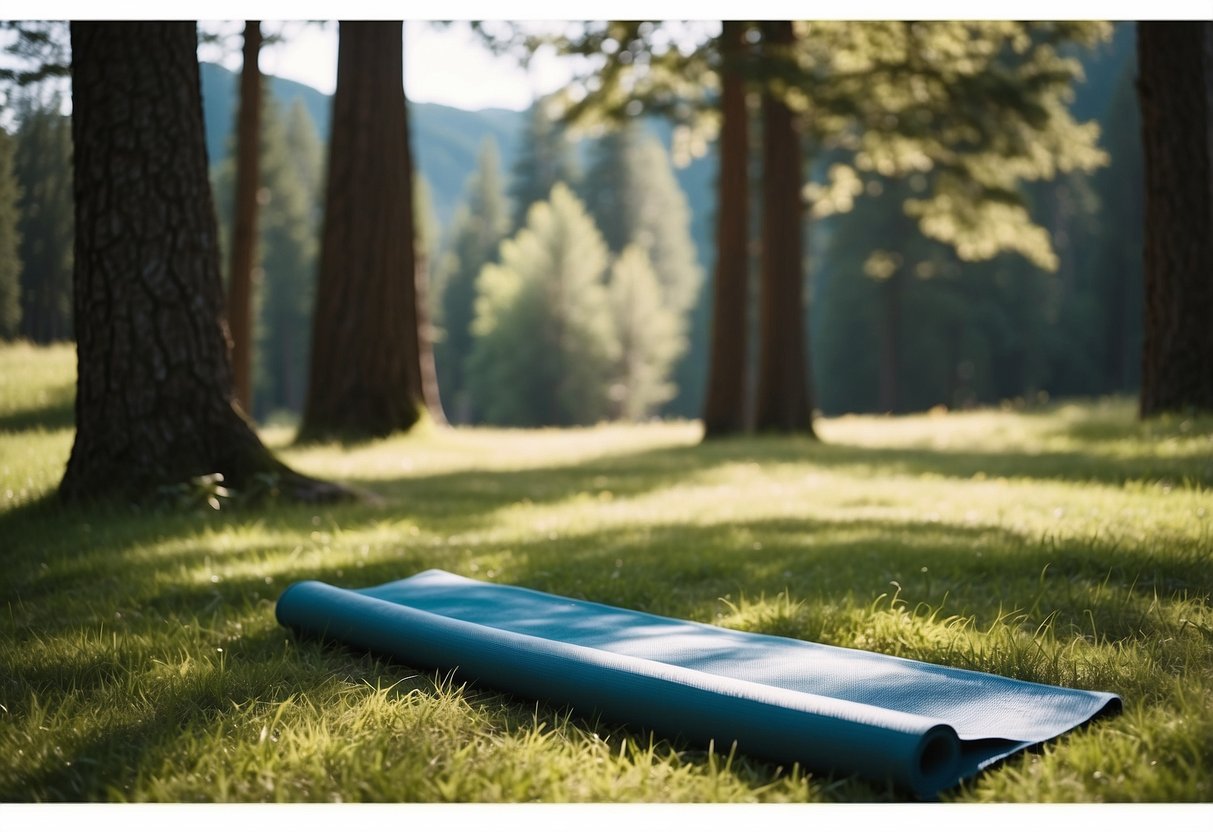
{"points": [[56, 411]]}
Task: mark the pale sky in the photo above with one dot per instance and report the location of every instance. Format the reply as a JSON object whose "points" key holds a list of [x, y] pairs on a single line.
{"points": [[441, 65]]}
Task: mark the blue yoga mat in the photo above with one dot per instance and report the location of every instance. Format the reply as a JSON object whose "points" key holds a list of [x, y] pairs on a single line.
{"points": [[921, 726]]}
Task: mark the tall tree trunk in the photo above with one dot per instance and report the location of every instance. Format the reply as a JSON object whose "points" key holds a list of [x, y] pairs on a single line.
{"points": [[367, 376], [154, 383], [782, 398], [1176, 87], [244, 231], [725, 404]]}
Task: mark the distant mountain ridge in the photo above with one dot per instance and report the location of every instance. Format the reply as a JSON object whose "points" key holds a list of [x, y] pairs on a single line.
{"points": [[446, 140]]}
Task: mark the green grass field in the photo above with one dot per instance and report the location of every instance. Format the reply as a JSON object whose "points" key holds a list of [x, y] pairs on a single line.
{"points": [[141, 660]]}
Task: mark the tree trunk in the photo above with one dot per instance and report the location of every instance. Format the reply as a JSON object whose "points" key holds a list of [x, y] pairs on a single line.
{"points": [[371, 363], [244, 231], [725, 403], [154, 386], [1176, 87], [782, 398]]}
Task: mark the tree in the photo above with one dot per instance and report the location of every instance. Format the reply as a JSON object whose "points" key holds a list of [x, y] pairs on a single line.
{"points": [[544, 347], [154, 385], [10, 238], [244, 214], [631, 193], [724, 410], [782, 400], [545, 158], [287, 261], [372, 369], [1176, 88], [43, 166], [650, 335], [480, 225], [976, 108]]}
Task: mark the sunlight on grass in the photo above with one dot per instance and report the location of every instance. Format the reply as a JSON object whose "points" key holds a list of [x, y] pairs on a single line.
{"points": [[1070, 545]]}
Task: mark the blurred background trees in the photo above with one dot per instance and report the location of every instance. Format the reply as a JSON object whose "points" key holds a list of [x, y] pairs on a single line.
{"points": [[972, 218]]}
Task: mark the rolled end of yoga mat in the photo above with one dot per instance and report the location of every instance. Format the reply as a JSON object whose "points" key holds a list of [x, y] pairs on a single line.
{"points": [[916, 725]]}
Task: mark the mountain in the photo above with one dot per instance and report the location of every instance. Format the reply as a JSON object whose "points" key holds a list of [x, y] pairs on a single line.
{"points": [[446, 140]]}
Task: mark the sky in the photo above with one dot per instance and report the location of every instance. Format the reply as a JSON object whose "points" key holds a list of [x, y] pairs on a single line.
{"points": [[444, 65], [447, 65]]}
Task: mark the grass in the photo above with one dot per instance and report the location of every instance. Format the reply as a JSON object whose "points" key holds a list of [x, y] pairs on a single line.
{"points": [[142, 662]]}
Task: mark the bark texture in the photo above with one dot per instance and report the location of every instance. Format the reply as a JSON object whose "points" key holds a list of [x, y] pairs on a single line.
{"points": [[372, 370], [724, 407], [154, 384], [1175, 61], [782, 395], [244, 230]]}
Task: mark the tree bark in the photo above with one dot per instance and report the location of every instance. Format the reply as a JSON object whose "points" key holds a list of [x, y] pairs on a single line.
{"points": [[244, 231], [782, 398], [1175, 61], [371, 363], [154, 383], [725, 404]]}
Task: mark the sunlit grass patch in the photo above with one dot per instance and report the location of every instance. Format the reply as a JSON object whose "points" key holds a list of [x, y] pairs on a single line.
{"points": [[1069, 545]]}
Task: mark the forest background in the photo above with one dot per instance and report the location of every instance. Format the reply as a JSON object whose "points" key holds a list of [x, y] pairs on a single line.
{"points": [[897, 323]]}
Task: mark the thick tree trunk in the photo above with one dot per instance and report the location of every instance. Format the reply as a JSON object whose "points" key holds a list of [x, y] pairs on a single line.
{"points": [[782, 397], [1176, 87], [154, 386], [368, 375], [244, 231], [725, 403]]}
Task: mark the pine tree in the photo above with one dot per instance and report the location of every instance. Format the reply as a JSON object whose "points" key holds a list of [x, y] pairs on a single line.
{"points": [[783, 398], [544, 159], [724, 407], [480, 225], [544, 347], [1176, 87], [10, 254], [287, 261], [371, 370], [154, 388], [976, 107], [631, 193], [43, 167], [650, 336]]}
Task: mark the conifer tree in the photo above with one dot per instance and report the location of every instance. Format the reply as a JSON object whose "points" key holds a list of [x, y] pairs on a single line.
{"points": [[10, 255], [480, 224], [1176, 87], [371, 368], [977, 107], [544, 348], [287, 261], [632, 195], [154, 383], [545, 158], [650, 337], [43, 167]]}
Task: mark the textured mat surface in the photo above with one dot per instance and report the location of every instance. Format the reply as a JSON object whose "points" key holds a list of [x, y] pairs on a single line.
{"points": [[921, 726]]}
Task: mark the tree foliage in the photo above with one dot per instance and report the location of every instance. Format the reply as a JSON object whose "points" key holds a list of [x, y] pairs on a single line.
{"points": [[43, 166], [650, 335], [632, 195], [545, 158], [10, 237], [545, 349], [480, 224]]}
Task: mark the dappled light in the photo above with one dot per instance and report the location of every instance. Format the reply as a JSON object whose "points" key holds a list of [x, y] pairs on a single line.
{"points": [[890, 336]]}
